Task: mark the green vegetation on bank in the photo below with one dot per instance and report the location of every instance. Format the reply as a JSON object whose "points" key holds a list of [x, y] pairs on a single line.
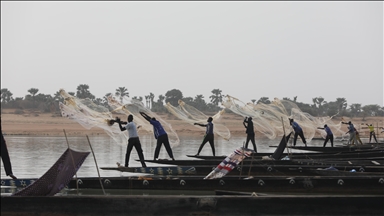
{"points": [[50, 103]]}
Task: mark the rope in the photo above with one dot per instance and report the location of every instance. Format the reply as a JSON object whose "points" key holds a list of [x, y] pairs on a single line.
{"points": [[97, 168], [73, 163]]}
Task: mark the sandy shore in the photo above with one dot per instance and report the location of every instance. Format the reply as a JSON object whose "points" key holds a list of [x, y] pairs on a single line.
{"points": [[48, 124]]}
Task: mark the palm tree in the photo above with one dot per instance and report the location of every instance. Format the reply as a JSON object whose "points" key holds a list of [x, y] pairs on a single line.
{"points": [[147, 101], [151, 97], [216, 98], [32, 93], [122, 92], [314, 100]]}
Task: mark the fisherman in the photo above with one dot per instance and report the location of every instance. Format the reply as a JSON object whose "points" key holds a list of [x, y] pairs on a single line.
{"points": [[5, 158], [371, 133], [160, 135], [329, 135], [298, 132], [248, 124], [358, 137], [133, 140], [208, 137], [352, 133]]}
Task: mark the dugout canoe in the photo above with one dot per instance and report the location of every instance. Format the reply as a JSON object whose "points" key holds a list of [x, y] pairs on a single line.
{"points": [[263, 154], [257, 169], [290, 184], [341, 158], [194, 205], [311, 184], [345, 154], [335, 149]]}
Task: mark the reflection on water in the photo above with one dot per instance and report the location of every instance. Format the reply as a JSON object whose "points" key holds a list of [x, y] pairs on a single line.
{"points": [[32, 156]]}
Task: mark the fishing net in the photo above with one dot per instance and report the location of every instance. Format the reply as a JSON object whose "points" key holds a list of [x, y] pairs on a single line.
{"points": [[89, 115], [272, 119], [134, 107], [191, 115]]}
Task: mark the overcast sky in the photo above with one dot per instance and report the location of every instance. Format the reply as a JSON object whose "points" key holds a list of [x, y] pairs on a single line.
{"points": [[246, 49]]}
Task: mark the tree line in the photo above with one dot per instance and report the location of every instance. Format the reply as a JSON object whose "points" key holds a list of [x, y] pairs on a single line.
{"points": [[50, 103]]}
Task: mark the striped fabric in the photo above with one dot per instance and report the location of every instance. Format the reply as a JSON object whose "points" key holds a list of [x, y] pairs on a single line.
{"points": [[229, 163]]}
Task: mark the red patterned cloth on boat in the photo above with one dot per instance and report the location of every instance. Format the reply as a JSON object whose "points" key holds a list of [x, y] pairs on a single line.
{"points": [[57, 177], [229, 163]]}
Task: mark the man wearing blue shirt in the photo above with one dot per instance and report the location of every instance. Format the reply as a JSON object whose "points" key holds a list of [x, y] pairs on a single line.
{"points": [[329, 135], [160, 135], [352, 133], [298, 132]]}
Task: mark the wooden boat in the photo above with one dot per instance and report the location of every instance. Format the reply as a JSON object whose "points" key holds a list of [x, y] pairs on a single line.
{"points": [[194, 205], [274, 170], [310, 184], [335, 149], [320, 159], [162, 170], [321, 179]]}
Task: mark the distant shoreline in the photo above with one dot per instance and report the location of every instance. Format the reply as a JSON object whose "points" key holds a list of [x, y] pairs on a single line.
{"points": [[48, 124]]}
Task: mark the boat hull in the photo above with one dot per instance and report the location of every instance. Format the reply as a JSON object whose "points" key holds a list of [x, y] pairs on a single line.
{"points": [[193, 205]]}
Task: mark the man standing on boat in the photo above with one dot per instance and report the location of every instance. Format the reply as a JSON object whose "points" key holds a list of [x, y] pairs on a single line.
{"points": [[352, 133], [160, 135], [371, 132], [133, 140], [5, 158], [208, 137], [329, 135], [298, 132], [248, 124]]}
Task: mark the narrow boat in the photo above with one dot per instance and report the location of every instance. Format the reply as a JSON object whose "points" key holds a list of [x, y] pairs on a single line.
{"points": [[336, 148], [119, 205], [257, 169], [359, 184]]}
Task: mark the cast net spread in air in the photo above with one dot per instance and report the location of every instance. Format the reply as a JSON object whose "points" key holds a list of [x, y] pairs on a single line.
{"points": [[272, 119], [134, 107], [191, 115], [90, 115]]}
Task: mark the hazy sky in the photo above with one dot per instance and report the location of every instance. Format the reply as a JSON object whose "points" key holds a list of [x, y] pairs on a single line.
{"points": [[246, 49]]}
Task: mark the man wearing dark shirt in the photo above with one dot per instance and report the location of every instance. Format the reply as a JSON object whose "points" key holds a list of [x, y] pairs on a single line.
{"points": [[208, 137]]}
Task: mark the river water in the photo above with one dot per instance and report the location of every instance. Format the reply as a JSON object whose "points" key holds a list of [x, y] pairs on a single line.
{"points": [[32, 156]]}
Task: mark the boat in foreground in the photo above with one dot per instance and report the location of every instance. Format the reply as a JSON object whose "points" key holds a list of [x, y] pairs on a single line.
{"points": [[194, 205]]}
